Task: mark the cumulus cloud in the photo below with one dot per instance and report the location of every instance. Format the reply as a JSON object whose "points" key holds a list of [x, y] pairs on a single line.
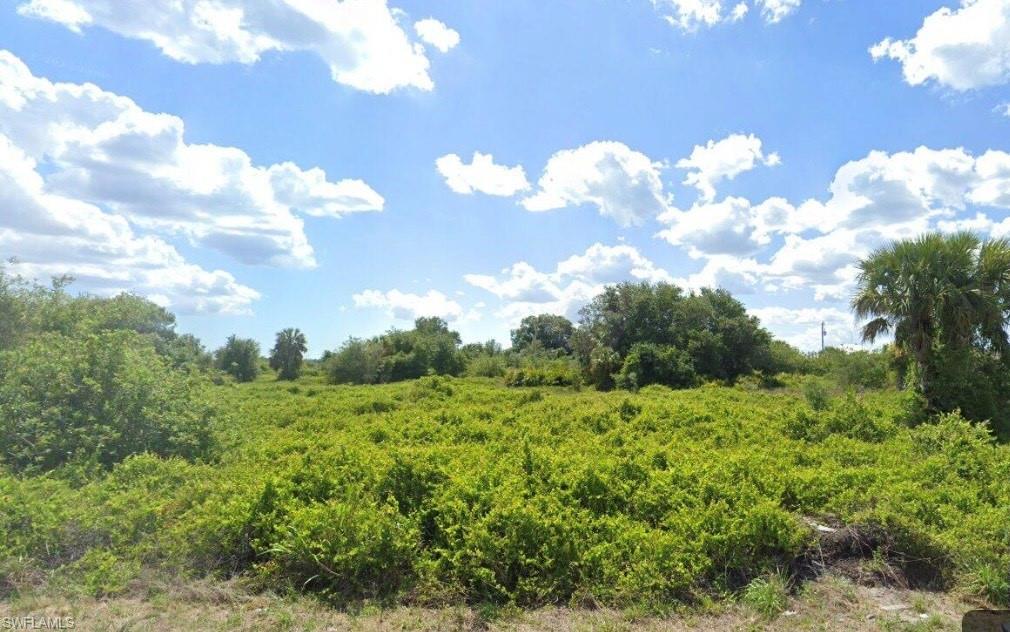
{"points": [[102, 148], [481, 175], [724, 159], [624, 185], [961, 49], [816, 244], [361, 41], [436, 34], [574, 281], [52, 235], [690, 15], [407, 306]]}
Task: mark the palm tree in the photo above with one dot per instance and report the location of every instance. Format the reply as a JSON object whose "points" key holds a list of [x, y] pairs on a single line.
{"points": [[286, 356], [952, 290]]}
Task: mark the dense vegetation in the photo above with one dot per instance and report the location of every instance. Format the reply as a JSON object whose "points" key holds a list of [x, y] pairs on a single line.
{"points": [[441, 490], [566, 469]]}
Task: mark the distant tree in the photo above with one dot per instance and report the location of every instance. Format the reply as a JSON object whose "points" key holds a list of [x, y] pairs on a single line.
{"points": [[239, 357], [711, 330], [355, 362], [288, 353], [431, 348], [546, 331]]}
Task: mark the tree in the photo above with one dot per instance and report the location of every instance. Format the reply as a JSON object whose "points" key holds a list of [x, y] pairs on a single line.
{"points": [[711, 331], [288, 353], [431, 348], [937, 294], [239, 357], [547, 331]]}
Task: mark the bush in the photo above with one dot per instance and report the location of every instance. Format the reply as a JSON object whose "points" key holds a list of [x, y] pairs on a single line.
{"points": [[356, 362], [656, 364], [848, 417], [96, 399], [486, 366], [239, 358], [428, 349], [559, 373], [816, 393]]}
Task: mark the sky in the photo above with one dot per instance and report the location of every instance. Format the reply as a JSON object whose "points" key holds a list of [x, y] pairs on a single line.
{"points": [[347, 166]]}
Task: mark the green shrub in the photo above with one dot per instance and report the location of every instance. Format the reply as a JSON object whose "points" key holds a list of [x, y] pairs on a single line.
{"points": [[847, 417], [816, 393], [96, 399], [349, 548], [486, 366], [648, 363], [553, 374]]}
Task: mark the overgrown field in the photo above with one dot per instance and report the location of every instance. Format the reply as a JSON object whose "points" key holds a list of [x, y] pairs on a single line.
{"points": [[447, 491]]}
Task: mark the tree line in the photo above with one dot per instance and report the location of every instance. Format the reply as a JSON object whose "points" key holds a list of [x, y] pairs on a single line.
{"points": [[89, 380]]}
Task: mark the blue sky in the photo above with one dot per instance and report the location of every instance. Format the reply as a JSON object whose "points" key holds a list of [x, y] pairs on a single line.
{"points": [[804, 145]]}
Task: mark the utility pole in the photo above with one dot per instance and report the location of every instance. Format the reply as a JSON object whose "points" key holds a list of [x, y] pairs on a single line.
{"points": [[823, 333]]}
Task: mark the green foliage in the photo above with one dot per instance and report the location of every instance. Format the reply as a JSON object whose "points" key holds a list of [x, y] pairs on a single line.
{"points": [[445, 490], [356, 362], [428, 349], [486, 366], [556, 373], [846, 417], [288, 353], [711, 329], [946, 300], [544, 331], [647, 364], [239, 358], [860, 369], [95, 399], [817, 393]]}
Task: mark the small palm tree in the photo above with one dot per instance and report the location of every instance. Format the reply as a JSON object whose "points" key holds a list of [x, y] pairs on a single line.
{"points": [[288, 353], [952, 290]]}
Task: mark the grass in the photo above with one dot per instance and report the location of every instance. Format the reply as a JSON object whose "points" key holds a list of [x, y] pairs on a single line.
{"points": [[827, 603]]}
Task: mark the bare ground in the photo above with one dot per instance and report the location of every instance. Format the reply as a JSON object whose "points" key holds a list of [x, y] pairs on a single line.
{"points": [[831, 602]]}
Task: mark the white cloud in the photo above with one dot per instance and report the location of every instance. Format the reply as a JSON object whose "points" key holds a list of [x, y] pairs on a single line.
{"points": [[724, 160], [623, 184], [778, 246], [481, 175], [1003, 109], [725, 227], [407, 306], [103, 149], [962, 49], [51, 235], [437, 34], [574, 281], [361, 41], [801, 327], [690, 15], [774, 11]]}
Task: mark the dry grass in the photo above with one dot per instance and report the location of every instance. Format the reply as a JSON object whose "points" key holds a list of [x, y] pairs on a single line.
{"points": [[829, 603]]}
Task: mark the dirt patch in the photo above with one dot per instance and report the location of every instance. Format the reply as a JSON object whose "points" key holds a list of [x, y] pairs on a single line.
{"points": [[869, 555]]}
